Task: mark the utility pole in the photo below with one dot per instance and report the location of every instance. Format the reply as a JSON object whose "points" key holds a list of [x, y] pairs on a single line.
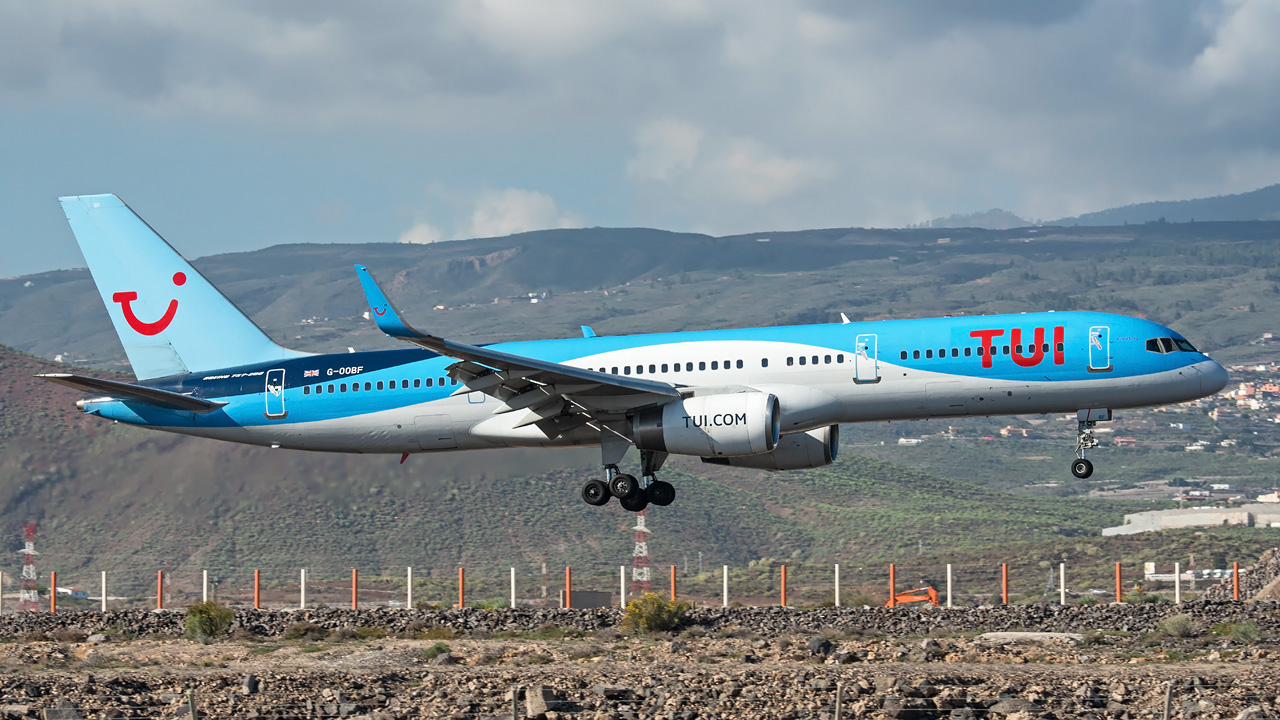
{"points": [[29, 596], [640, 558]]}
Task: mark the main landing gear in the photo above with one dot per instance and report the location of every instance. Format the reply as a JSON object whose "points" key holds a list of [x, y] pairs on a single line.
{"points": [[1086, 420], [633, 495]]}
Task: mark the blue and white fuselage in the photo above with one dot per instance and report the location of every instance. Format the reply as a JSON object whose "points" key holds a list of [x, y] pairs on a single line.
{"points": [[769, 398], [377, 401]]}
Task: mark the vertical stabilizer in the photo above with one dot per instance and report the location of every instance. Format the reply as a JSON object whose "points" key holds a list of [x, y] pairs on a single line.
{"points": [[170, 319]]}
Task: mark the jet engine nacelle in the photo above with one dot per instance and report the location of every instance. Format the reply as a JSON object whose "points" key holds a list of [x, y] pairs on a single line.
{"points": [[711, 425], [799, 451]]}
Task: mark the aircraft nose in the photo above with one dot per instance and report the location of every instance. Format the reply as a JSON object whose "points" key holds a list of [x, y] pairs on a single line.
{"points": [[1213, 377]]}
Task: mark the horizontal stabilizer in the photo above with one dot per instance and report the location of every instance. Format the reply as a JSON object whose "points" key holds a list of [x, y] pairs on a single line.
{"points": [[134, 393]]}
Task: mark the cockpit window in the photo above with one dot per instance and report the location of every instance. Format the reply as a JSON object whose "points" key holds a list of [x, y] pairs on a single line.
{"points": [[1167, 345]]}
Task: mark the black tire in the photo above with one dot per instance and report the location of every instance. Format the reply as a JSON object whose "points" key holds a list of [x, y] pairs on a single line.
{"points": [[595, 493], [623, 485], [1082, 468], [635, 502], [661, 493]]}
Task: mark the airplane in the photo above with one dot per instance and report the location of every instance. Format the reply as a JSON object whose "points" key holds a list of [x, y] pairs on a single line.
{"points": [[770, 398]]}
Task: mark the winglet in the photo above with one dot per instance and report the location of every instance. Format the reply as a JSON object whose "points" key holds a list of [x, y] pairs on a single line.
{"points": [[384, 313], [587, 332], [844, 319]]}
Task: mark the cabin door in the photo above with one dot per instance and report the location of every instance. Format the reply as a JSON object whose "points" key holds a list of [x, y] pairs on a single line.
{"points": [[275, 394], [1099, 349], [866, 366]]}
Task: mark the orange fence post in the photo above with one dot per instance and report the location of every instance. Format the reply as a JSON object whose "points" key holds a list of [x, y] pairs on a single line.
{"points": [[462, 588], [1235, 580], [784, 586], [1004, 583], [673, 583], [159, 589], [893, 585], [568, 586], [53, 592], [1119, 585], [355, 585], [257, 596]]}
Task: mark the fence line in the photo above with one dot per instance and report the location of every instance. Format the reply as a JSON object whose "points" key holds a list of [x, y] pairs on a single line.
{"points": [[754, 586]]}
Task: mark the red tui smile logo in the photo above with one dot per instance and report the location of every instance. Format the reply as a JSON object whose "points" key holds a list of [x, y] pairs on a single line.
{"points": [[148, 328]]}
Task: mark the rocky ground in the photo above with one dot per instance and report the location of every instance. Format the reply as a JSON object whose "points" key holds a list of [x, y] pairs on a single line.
{"points": [[1212, 658], [730, 672]]}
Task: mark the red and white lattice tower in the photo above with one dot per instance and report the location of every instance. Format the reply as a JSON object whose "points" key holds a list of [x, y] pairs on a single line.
{"points": [[640, 557], [29, 597]]}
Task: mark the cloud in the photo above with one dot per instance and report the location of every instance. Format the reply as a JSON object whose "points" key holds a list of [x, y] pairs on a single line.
{"points": [[693, 114], [492, 213], [505, 212], [663, 148], [421, 234]]}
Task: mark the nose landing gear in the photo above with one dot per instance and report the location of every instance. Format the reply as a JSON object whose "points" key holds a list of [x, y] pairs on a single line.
{"points": [[1086, 420]]}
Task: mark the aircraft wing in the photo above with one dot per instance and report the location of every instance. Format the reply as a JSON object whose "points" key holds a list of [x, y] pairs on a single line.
{"points": [[134, 393], [555, 396]]}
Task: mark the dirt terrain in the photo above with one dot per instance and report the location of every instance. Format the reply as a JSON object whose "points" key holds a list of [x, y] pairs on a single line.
{"points": [[600, 674]]}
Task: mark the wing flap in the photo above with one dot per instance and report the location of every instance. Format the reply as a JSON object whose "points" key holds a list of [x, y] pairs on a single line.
{"points": [[134, 393]]}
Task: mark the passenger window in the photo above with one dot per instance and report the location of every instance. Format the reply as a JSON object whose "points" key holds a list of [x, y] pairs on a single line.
{"points": [[968, 351], [791, 361], [417, 383], [904, 354], [980, 351], [431, 382], [453, 381], [1044, 348], [1018, 348], [1167, 344], [929, 353], [342, 387], [955, 352], [306, 389], [626, 370], [826, 359], [803, 359], [676, 367], [652, 369], [366, 385], [702, 365], [330, 387], [915, 354], [441, 382], [615, 371], [664, 367], [391, 385], [715, 365], [1060, 348], [840, 357], [688, 367], [739, 364], [764, 362], [639, 369], [1006, 349], [815, 359]]}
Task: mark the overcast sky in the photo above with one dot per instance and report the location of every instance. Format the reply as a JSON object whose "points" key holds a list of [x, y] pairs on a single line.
{"points": [[236, 125]]}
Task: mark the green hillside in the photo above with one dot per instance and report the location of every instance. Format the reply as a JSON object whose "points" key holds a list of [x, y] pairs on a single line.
{"points": [[1219, 283], [113, 497]]}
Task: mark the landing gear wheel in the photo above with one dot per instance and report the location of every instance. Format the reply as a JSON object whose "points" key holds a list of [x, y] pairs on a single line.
{"points": [[623, 485], [661, 493], [595, 493], [1081, 468], [636, 501]]}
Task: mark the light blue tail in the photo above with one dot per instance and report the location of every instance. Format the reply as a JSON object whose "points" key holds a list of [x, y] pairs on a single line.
{"points": [[170, 319]]}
